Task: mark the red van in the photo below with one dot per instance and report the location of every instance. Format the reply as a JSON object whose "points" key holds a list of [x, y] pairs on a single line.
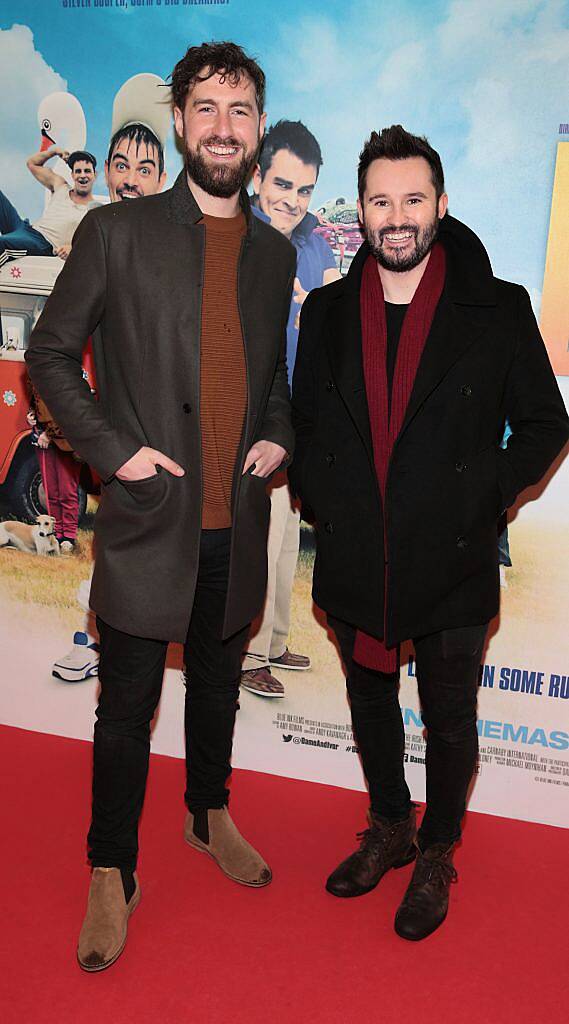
{"points": [[340, 226], [24, 287]]}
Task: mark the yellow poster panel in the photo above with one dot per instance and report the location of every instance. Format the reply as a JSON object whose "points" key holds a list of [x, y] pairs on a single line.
{"points": [[555, 298]]}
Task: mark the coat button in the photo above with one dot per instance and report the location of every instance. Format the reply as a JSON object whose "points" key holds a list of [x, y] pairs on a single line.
{"points": [[466, 390], [329, 527], [187, 407], [460, 467], [461, 542], [330, 458], [330, 386]]}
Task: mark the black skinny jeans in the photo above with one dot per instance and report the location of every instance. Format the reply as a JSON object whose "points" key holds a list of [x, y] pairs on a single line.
{"points": [[130, 672], [447, 665]]}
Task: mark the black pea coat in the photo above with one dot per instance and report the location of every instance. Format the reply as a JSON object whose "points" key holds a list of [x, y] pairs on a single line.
{"points": [[449, 480], [135, 272]]}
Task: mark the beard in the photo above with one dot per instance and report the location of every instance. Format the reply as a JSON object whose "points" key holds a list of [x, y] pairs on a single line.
{"points": [[219, 180], [397, 260]]}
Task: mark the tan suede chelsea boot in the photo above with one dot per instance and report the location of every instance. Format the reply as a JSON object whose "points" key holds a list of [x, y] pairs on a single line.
{"points": [[212, 831], [103, 935]]}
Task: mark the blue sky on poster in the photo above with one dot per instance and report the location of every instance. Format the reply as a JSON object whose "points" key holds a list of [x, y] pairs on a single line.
{"points": [[486, 80]]}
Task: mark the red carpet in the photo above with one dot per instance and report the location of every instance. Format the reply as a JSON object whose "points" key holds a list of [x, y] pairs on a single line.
{"points": [[203, 949]]}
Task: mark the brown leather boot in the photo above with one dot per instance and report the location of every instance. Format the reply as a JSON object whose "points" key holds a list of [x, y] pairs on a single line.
{"points": [[103, 935], [384, 845], [212, 831], [425, 904]]}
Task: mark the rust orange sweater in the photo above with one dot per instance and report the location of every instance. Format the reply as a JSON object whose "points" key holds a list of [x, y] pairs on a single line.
{"points": [[223, 376]]}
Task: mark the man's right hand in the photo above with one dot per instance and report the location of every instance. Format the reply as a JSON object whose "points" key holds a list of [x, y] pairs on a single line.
{"points": [[144, 463]]}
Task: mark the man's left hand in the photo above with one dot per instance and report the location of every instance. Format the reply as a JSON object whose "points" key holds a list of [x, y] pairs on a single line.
{"points": [[266, 456], [299, 293], [298, 296]]}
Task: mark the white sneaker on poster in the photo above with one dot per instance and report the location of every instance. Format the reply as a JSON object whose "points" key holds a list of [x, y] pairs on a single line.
{"points": [[81, 662]]}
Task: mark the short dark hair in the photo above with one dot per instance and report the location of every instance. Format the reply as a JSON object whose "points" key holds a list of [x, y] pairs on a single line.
{"points": [[296, 138], [226, 59], [141, 136], [81, 154], [395, 143]]}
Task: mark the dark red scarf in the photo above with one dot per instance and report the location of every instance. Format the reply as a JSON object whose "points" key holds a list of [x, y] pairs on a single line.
{"points": [[385, 426]]}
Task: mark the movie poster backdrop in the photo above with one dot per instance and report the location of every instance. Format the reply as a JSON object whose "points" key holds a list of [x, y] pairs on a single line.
{"points": [[488, 85]]}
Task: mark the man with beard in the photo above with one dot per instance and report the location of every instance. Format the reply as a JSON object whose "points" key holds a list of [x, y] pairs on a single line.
{"points": [[406, 372], [51, 234], [192, 296]]}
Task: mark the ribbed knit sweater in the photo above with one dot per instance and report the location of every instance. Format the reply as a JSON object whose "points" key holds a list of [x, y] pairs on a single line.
{"points": [[223, 377]]}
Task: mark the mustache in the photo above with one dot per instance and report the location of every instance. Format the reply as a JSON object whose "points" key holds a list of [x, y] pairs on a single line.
{"points": [[216, 140], [129, 190], [392, 229]]}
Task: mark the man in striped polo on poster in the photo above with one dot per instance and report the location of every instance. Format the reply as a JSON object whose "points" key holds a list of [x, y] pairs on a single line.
{"points": [[405, 375]]}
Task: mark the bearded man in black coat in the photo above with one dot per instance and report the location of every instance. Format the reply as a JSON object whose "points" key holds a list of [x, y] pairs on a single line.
{"points": [[405, 375]]}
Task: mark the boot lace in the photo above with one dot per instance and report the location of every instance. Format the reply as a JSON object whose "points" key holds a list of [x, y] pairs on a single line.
{"points": [[375, 840], [438, 873], [442, 873]]}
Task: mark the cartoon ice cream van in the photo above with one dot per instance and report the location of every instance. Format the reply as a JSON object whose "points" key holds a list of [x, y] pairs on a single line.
{"points": [[25, 285]]}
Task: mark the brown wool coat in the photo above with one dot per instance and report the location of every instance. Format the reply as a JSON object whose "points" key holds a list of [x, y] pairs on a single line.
{"points": [[134, 281]]}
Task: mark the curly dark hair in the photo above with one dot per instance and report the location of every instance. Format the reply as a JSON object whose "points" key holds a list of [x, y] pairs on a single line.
{"points": [[226, 59], [395, 143]]}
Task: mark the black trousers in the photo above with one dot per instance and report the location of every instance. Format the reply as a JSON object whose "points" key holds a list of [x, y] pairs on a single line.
{"points": [[447, 665], [130, 672]]}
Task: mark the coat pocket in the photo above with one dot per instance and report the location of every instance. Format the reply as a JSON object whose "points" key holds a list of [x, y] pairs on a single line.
{"points": [[146, 492], [485, 494]]}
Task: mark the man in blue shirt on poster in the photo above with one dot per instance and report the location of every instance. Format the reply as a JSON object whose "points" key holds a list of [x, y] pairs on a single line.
{"points": [[284, 181]]}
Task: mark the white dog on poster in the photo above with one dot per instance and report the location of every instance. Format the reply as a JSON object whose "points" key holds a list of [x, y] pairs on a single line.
{"points": [[38, 539]]}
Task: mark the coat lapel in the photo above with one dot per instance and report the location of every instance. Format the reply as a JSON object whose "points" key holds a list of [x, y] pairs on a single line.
{"points": [[463, 314], [345, 350], [255, 285], [454, 329], [258, 356]]}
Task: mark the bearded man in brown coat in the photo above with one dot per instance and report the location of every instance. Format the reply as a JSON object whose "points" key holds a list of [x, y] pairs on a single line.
{"points": [[191, 295]]}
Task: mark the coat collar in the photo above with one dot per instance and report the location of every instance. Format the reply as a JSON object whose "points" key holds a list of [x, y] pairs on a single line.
{"points": [[469, 279], [185, 210], [462, 315]]}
